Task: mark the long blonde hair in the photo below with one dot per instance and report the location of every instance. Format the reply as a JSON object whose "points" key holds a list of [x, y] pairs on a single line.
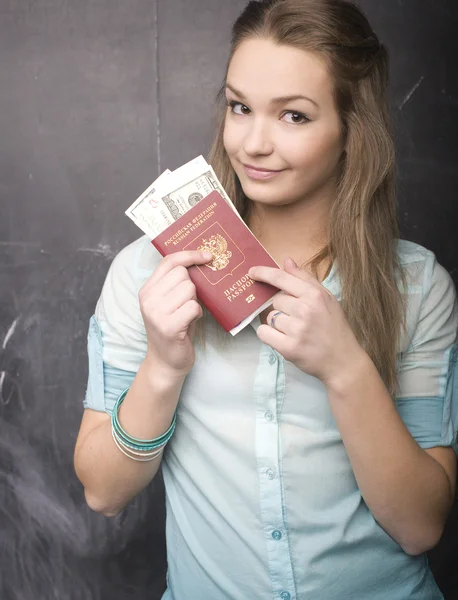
{"points": [[363, 225]]}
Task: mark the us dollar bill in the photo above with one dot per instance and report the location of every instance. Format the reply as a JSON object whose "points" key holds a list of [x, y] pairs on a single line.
{"points": [[186, 195], [173, 194], [147, 213]]}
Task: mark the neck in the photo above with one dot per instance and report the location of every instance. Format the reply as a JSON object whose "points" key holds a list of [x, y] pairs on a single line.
{"points": [[298, 230]]}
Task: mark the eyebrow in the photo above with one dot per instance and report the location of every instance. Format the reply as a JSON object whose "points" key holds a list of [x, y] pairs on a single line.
{"points": [[280, 100]]}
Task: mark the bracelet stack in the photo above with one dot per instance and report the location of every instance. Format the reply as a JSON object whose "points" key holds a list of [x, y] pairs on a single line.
{"points": [[134, 448]]}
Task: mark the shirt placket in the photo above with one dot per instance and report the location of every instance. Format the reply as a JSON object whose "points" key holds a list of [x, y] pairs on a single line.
{"points": [[269, 384]]}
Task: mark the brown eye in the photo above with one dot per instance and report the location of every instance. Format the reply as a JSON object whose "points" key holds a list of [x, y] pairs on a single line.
{"points": [[232, 104], [297, 118]]}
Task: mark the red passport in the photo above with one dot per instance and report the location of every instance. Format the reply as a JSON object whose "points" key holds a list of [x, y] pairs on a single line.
{"points": [[223, 285]]}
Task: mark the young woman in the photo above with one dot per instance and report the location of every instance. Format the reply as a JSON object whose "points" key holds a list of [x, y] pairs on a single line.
{"points": [[311, 455]]}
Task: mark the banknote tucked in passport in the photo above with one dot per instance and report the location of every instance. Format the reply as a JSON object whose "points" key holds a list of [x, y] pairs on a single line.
{"points": [[188, 209]]}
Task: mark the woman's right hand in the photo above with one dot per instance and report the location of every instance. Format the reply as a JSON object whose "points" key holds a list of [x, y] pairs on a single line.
{"points": [[169, 307]]}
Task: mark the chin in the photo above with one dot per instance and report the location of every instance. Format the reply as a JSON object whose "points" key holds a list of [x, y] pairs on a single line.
{"points": [[267, 199], [263, 192]]}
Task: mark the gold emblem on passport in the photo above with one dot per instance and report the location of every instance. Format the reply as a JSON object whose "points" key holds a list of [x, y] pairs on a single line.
{"points": [[227, 256], [217, 245]]}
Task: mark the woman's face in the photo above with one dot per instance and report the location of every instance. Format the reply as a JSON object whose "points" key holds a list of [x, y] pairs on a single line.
{"points": [[300, 137]]}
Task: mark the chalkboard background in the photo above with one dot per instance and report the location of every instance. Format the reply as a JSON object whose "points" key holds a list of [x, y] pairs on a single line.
{"points": [[97, 97]]}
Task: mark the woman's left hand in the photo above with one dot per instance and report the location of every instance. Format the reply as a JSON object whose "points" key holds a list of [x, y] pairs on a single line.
{"points": [[310, 328]]}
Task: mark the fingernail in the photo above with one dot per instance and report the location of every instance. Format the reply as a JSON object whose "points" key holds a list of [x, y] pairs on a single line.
{"points": [[207, 255], [291, 262]]}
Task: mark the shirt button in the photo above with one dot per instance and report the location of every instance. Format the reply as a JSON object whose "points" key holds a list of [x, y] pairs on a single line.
{"points": [[270, 473], [285, 596], [268, 415], [272, 359], [276, 535]]}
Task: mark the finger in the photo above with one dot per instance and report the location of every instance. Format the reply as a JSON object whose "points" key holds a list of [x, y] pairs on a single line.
{"points": [[185, 258], [299, 308], [171, 280], [280, 279], [285, 302], [296, 282], [275, 339], [277, 319], [284, 323], [185, 315], [291, 267], [183, 292], [159, 288]]}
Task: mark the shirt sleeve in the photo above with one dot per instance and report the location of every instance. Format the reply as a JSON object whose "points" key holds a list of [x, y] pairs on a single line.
{"points": [[116, 337], [428, 369]]}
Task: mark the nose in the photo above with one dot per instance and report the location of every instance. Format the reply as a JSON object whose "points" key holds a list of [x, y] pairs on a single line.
{"points": [[257, 139]]}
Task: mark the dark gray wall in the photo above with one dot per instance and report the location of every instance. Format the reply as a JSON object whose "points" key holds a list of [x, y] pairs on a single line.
{"points": [[96, 98]]}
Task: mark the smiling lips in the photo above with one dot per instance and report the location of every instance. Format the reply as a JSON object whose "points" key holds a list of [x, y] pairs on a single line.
{"points": [[260, 174]]}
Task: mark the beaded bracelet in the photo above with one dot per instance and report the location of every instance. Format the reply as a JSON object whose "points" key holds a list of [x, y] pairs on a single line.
{"points": [[135, 444]]}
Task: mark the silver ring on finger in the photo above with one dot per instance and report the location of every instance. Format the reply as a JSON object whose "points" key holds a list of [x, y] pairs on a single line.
{"points": [[274, 317]]}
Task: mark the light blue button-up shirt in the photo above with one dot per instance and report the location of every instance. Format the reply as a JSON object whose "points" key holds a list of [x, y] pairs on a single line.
{"points": [[261, 498]]}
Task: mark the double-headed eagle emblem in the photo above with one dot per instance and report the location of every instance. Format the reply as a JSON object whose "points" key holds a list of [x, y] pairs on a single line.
{"points": [[217, 245]]}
